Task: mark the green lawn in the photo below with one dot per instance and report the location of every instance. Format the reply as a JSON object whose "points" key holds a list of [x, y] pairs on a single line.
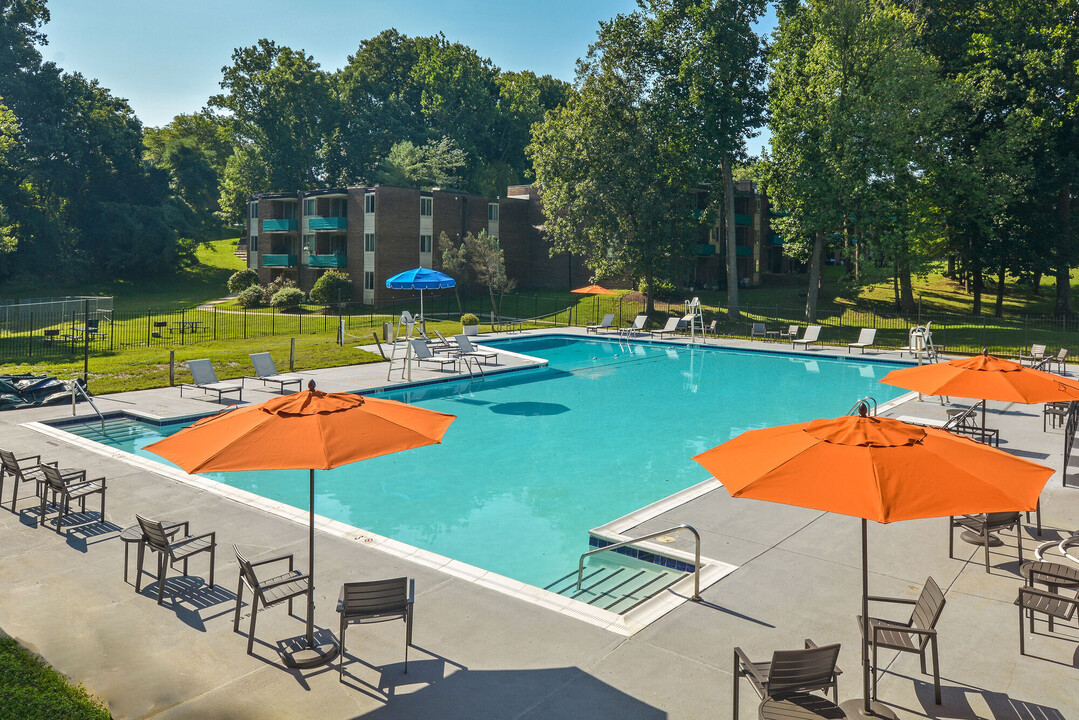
{"points": [[30, 689]]}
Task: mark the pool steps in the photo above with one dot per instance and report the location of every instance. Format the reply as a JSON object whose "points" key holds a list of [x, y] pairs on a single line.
{"points": [[617, 587]]}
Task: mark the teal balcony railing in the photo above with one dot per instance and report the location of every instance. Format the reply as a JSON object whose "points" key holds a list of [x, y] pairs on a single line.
{"points": [[743, 251], [740, 219], [774, 239], [278, 260], [705, 249], [278, 225], [334, 260], [328, 223]]}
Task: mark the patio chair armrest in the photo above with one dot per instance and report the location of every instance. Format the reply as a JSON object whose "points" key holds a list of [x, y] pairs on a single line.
{"points": [[267, 561], [32, 457], [745, 667], [284, 581], [191, 538], [901, 601], [77, 485], [411, 592]]}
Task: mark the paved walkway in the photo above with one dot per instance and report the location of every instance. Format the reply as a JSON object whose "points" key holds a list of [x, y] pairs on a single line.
{"points": [[483, 654]]}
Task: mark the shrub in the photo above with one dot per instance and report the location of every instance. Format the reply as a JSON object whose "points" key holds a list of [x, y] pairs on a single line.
{"points": [[250, 297], [469, 319], [243, 279], [334, 286], [287, 298]]}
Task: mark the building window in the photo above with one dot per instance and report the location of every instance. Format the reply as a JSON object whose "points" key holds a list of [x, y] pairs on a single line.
{"points": [[492, 212], [369, 203], [368, 280], [253, 244], [425, 243], [425, 207], [369, 242], [309, 242], [309, 207], [254, 210]]}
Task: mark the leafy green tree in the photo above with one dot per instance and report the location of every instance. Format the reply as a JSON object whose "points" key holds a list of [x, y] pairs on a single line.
{"points": [[436, 164], [287, 298], [242, 279], [454, 263], [612, 178], [279, 109], [489, 263]]}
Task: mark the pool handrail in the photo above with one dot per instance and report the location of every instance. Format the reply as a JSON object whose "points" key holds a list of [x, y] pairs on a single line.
{"points": [[649, 536]]}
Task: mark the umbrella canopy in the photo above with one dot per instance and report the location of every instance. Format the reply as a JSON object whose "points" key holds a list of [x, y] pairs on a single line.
{"points": [[420, 279], [594, 290], [309, 429], [986, 377], [876, 469]]}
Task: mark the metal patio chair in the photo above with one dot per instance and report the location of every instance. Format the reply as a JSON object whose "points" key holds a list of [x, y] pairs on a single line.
{"points": [[376, 601], [790, 671], [22, 470], [65, 487], [983, 526], [267, 591], [170, 549]]}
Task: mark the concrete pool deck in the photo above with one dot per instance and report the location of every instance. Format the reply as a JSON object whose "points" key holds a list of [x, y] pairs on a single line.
{"points": [[482, 654]]}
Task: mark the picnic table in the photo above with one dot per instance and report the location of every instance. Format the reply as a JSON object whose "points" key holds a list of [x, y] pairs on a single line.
{"points": [[188, 325]]}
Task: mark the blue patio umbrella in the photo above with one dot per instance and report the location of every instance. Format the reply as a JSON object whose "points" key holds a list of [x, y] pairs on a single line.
{"points": [[420, 279]]}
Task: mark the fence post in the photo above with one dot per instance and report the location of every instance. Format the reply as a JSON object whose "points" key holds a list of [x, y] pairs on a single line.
{"points": [[341, 332], [292, 355], [215, 322], [245, 323], [172, 368], [30, 338], [1026, 337], [273, 321], [182, 326], [149, 329], [86, 346]]}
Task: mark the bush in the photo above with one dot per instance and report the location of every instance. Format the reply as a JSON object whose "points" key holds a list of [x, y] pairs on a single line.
{"points": [[243, 279], [287, 298], [334, 286], [250, 297], [469, 319]]}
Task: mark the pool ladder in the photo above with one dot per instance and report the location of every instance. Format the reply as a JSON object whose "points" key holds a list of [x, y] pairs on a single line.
{"points": [[658, 533], [468, 360], [868, 402]]}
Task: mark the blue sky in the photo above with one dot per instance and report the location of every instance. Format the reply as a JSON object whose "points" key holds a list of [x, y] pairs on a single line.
{"points": [[165, 58]]}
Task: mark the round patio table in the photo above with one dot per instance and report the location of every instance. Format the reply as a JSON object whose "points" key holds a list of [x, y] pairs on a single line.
{"points": [[133, 536], [800, 706]]}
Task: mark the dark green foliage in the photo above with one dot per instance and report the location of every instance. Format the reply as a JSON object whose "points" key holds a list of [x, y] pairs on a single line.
{"points": [[251, 296], [243, 279], [29, 688], [287, 298], [333, 287], [469, 319]]}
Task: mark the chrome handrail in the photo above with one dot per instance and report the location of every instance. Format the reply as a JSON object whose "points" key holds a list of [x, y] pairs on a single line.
{"points": [[696, 558], [76, 386], [479, 366], [870, 406]]}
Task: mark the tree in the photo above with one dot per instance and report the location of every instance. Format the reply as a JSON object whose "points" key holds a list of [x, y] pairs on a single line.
{"points": [[333, 287], [454, 263], [709, 73], [613, 180], [489, 263], [279, 108], [436, 164]]}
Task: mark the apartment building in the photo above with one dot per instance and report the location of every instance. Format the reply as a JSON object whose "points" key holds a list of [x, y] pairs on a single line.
{"points": [[375, 232]]}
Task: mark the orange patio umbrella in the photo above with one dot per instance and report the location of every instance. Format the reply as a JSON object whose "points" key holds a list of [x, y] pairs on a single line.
{"points": [[593, 290], [309, 430], [878, 469]]}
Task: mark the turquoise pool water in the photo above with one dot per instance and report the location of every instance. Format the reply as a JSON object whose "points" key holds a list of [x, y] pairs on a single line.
{"points": [[537, 458]]}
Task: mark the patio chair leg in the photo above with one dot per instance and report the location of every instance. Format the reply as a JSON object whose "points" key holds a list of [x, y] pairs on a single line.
{"points": [[985, 539], [1019, 539], [921, 657], [936, 670], [873, 694], [251, 629], [213, 549], [41, 511], [239, 602], [1022, 633], [138, 565], [341, 659], [162, 571], [735, 675]]}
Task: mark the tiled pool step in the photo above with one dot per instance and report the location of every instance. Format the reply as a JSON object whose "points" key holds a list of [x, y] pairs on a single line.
{"points": [[617, 586]]}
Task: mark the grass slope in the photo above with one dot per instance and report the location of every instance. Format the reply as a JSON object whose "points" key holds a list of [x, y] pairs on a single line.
{"points": [[30, 689]]}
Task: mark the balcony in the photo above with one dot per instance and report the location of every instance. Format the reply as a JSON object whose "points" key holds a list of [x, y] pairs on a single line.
{"points": [[774, 239], [281, 225], [278, 260], [705, 249], [745, 220], [333, 260], [327, 223], [743, 250]]}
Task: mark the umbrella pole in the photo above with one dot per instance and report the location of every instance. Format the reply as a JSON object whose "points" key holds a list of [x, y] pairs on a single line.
{"points": [[311, 565], [865, 707], [422, 328]]}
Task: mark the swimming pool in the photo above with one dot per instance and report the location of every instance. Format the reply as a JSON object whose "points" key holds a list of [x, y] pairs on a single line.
{"points": [[539, 457]]}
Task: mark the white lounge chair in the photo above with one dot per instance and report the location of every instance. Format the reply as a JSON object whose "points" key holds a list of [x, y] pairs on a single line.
{"points": [[603, 324], [204, 378], [636, 327], [672, 325], [423, 354], [812, 335], [866, 338], [470, 350], [266, 371]]}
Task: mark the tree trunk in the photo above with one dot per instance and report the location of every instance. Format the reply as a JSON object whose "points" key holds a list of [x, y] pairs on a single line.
{"points": [[951, 267], [1036, 283], [998, 311], [906, 288], [895, 287], [976, 289], [814, 276], [650, 308], [732, 239], [1064, 252]]}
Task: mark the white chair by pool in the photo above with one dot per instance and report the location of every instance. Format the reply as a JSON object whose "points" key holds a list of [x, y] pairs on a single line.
{"points": [[421, 353], [603, 324], [812, 335], [636, 327], [204, 378], [866, 338], [470, 350], [266, 371], [671, 326]]}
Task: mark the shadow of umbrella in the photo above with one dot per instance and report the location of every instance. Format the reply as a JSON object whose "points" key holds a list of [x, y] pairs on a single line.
{"points": [[529, 408]]}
